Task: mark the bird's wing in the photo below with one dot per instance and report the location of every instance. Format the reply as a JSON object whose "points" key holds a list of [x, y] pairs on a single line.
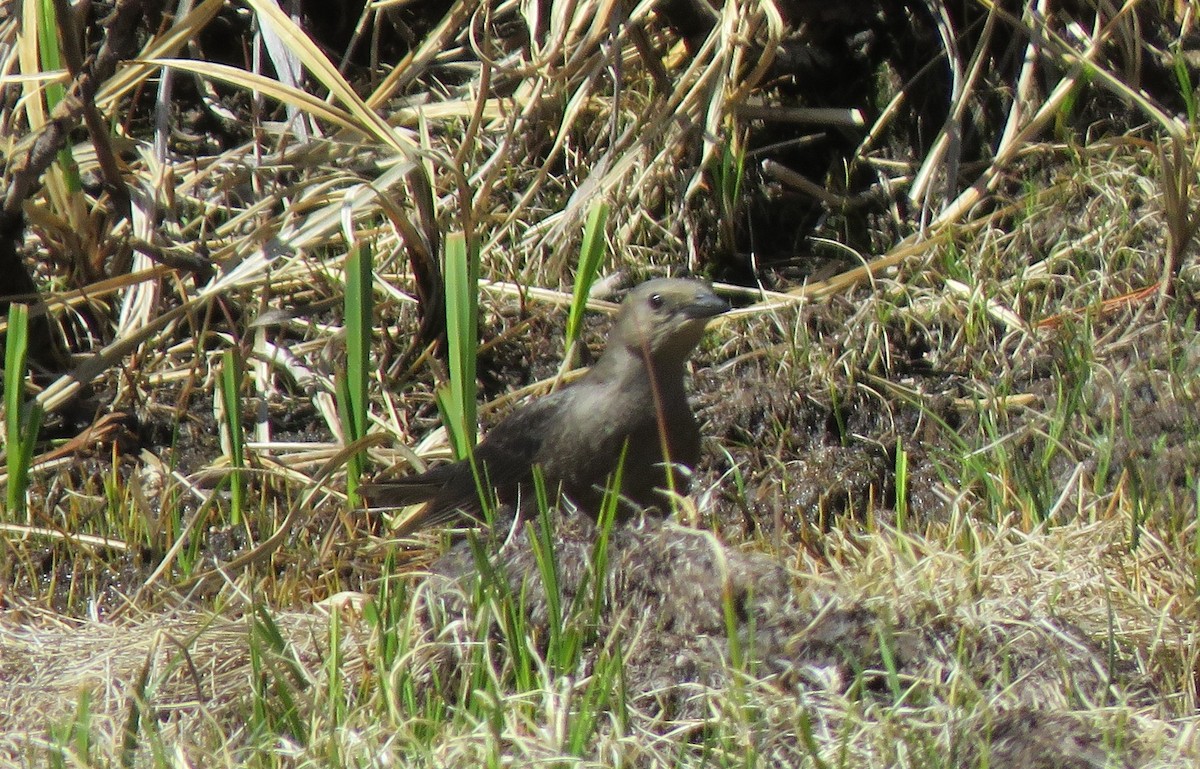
{"points": [[509, 451], [504, 459]]}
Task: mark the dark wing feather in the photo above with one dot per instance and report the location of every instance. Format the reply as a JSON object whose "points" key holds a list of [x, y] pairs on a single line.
{"points": [[505, 459], [510, 449]]}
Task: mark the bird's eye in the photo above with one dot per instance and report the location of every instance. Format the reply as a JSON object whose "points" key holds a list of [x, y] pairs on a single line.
{"points": [[656, 301]]}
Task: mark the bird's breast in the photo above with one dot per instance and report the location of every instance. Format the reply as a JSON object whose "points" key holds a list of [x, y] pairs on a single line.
{"points": [[637, 426]]}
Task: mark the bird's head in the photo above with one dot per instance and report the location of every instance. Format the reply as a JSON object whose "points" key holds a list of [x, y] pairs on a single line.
{"points": [[665, 318]]}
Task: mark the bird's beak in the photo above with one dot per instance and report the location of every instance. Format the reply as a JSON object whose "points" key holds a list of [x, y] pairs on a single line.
{"points": [[706, 306]]}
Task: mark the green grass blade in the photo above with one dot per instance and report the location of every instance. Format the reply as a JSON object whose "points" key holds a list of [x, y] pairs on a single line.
{"points": [[542, 543], [591, 255], [231, 381], [604, 527], [901, 487], [359, 310], [51, 56], [19, 438], [462, 332]]}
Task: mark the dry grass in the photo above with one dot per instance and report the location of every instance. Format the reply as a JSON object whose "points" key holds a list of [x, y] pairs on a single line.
{"points": [[1013, 632], [964, 440]]}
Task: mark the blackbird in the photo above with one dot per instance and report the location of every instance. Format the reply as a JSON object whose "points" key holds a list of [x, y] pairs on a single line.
{"points": [[630, 410]]}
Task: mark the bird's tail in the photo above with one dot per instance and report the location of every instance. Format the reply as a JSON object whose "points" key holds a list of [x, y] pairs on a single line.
{"points": [[401, 492], [436, 505]]}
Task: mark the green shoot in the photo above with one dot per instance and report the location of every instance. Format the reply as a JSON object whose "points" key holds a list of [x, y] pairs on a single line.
{"points": [[352, 392], [457, 401], [729, 173], [335, 684], [277, 677], [591, 254], [605, 684], [738, 656], [71, 742], [560, 652], [231, 380], [901, 487], [50, 53], [1187, 90], [604, 527], [887, 651], [21, 421], [498, 604]]}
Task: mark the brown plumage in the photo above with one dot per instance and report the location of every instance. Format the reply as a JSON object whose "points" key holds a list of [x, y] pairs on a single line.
{"points": [[632, 400]]}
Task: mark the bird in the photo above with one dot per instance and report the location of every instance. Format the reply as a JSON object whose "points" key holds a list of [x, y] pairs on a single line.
{"points": [[629, 411]]}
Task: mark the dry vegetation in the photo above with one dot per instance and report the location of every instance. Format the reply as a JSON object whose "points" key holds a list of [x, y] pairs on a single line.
{"points": [[948, 510]]}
